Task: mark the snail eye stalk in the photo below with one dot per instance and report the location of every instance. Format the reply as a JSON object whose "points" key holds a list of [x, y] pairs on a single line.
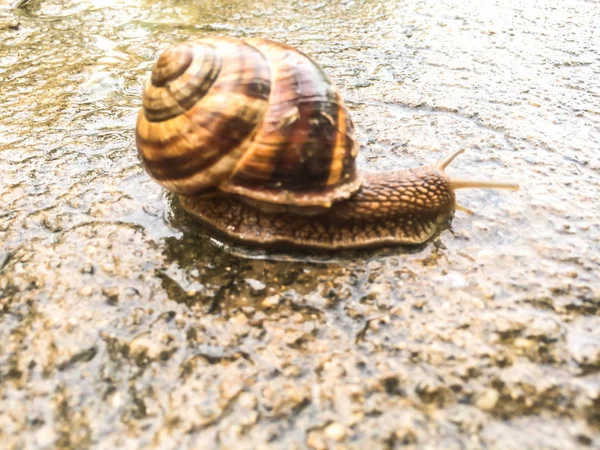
{"points": [[459, 183]]}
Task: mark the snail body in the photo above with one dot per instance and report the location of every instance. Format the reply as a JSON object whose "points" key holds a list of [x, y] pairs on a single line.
{"points": [[258, 144]]}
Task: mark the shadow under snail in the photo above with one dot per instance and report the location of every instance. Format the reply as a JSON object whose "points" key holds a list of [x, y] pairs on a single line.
{"points": [[258, 144]]}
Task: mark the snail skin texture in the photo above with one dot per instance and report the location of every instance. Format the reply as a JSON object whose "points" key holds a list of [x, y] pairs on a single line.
{"points": [[259, 146]]}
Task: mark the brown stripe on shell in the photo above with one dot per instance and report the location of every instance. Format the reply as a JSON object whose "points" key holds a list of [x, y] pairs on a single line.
{"points": [[194, 84], [200, 147], [175, 95], [290, 159], [171, 64], [315, 147], [221, 134], [345, 147], [302, 163]]}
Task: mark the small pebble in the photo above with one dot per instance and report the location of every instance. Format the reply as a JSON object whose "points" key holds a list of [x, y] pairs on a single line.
{"points": [[315, 441], [86, 291], [335, 431], [271, 301], [255, 284], [488, 400]]}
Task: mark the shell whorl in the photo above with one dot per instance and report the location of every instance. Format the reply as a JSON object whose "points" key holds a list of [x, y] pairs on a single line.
{"points": [[182, 76], [257, 118], [201, 108]]}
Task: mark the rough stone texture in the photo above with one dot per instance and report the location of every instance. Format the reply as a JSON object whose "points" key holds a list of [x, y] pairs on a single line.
{"points": [[124, 325]]}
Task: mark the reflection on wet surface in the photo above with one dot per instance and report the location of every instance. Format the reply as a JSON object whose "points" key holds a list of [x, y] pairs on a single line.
{"points": [[125, 323]]}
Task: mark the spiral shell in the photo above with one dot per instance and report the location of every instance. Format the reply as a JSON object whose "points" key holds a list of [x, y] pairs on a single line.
{"points": [[255, 118]]}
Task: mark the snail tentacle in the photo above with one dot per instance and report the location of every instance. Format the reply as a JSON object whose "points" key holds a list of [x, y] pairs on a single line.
{"points": [[460, 183]]}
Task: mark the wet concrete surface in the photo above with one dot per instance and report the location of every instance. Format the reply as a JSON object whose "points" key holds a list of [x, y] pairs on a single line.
{"points": [[125, 324]]}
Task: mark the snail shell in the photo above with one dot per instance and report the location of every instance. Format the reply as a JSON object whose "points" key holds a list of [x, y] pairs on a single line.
{"points": [[257, 142], [258, 119]]}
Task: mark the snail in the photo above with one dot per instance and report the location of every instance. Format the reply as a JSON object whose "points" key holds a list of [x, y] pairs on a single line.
{"points": [[257, 142]]}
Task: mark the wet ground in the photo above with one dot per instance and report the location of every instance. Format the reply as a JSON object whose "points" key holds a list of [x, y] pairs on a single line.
{"points": [[124, 324]]}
